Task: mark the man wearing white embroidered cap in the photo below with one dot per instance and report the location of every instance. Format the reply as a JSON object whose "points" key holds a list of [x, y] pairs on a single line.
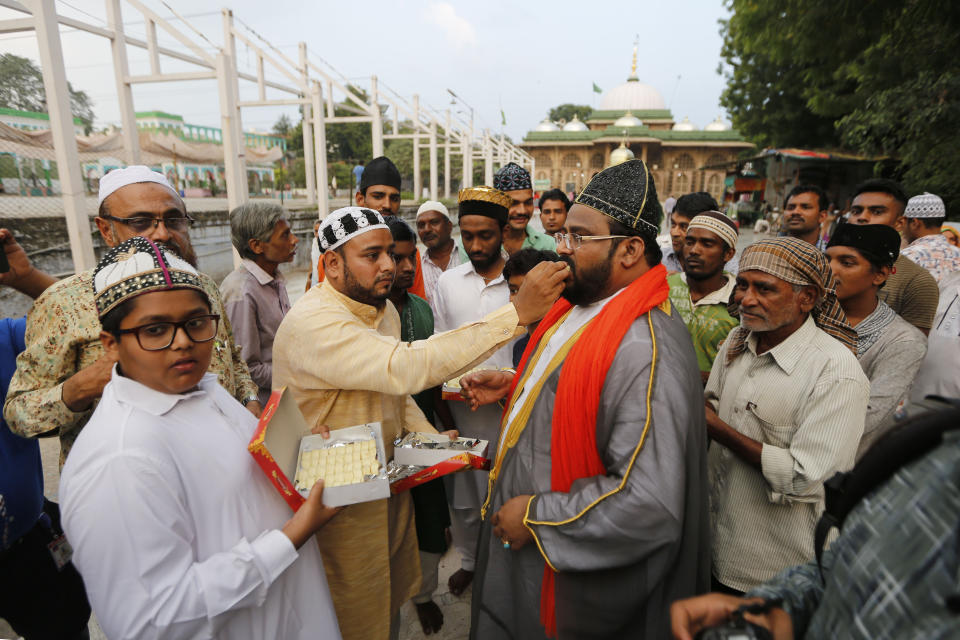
{"points": [[339, 352], [928, 247], [61, 374], [435, 229]]}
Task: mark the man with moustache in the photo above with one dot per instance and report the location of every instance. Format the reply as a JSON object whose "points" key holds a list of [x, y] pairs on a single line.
{"points": [[465, 294], [804, 214], [786, 401], [340, 353], [597, 513], [554, 206], [701, 292], [435, 229], [514, 180], [61, 374]]}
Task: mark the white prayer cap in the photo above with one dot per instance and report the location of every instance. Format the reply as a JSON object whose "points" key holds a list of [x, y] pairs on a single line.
{"points": [[433, 205], [926, 205], [347, 223], [131, 175]]}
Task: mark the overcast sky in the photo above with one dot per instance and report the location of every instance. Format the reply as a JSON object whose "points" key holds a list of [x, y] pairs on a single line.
{"points": [[524, 57]]}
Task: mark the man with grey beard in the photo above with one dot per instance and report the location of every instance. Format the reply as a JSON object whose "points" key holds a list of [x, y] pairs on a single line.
{"points": [[63, 370], [786, 401]]}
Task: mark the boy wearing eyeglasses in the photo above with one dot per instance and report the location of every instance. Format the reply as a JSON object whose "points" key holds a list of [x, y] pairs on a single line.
{"points": [[175, 531]]}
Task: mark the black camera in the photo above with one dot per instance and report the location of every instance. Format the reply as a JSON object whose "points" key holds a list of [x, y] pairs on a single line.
{"points": [[737, 627]]}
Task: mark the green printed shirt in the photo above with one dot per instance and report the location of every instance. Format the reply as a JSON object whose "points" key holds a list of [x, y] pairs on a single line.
{"points": [[707, 319]]}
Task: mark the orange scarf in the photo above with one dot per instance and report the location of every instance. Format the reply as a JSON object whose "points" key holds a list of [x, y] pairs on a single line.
{"points": [[573, 442]]}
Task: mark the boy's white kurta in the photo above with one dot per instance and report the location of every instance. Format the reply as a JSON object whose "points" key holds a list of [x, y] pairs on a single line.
{"points": [[175, 529]]}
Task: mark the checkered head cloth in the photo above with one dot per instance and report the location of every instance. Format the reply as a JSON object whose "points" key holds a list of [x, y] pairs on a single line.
{"points": [[797, 262]]}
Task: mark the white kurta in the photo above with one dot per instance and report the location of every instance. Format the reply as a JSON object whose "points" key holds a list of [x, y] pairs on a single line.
{"points": [[175, 529], [462, 297]]}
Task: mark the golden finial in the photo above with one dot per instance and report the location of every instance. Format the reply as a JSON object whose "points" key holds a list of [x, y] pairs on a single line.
{"points": [[633, 66]]}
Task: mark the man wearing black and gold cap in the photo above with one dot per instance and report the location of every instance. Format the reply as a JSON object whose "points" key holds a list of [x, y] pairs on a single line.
{"points": [[465, 294], [889, 348], [596, 515], [514, 180]]}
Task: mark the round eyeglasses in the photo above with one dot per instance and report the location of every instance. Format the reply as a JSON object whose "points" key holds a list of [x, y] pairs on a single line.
{"points": [[573, 241]]}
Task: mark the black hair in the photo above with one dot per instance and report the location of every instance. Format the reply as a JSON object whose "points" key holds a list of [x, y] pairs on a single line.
{"points": [[822, 201], [111, 321], [933, 223], [691, 204], [400, 230], [882, 185], [651, 250], [521, 262], [554, 194]]}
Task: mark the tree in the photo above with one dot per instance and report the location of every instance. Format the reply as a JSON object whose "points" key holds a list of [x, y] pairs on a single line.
{"points": [[283, 125], [566, 112], [22, 89], [878, 78]]}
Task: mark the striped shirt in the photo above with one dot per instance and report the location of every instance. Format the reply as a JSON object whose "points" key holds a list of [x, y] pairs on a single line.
{"points": [[432, 272], [805, 400]]}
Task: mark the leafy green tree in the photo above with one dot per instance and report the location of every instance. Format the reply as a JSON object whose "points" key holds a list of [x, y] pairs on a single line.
{"points": [[22, 89], [879, 78], [283, 125], [567, 111]]}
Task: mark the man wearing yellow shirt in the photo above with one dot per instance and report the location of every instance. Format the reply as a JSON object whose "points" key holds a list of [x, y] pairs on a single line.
{"points": [[339, 352]]}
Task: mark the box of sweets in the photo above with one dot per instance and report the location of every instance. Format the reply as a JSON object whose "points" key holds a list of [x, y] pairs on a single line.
{"points": [[352, 462], [428, 449]]}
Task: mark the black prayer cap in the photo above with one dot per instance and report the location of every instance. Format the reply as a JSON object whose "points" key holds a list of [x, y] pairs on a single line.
{"points": [[484, 201], [626, 193], [380, 171], [878, 242], [512, 177]]}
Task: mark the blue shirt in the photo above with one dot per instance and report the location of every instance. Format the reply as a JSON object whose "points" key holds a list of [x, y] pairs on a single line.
{"points": [[357, 172], [21, 473]]}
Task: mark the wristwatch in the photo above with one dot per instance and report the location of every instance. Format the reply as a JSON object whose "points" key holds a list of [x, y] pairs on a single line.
{"points": [[250, 398]]}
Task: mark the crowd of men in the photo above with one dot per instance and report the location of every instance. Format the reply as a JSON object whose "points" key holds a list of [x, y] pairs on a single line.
{"points": [[662, 421]]}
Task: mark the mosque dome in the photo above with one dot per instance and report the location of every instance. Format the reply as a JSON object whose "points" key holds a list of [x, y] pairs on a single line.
{"points": [[628, 120], [547, 125], [717, 125], [684, 125], [620, 155], [575, 125], [632, 94]]}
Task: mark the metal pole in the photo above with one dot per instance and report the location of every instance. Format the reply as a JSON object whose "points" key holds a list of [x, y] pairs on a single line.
{"points": [[376, 125], [320, 139], [433, 158], [306, 124], [64, 140], [446, 157], [128, 118], [417, 175]]}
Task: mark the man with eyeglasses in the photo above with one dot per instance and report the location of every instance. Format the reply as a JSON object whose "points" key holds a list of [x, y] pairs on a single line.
{"points": [[596, 512], [61, 374]]}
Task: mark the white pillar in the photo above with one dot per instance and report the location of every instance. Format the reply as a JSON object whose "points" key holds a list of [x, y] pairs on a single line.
{"points": [[417, 175], [308, 157], [466, 148], [320, 139], [128, 118], [487, 159], [234, 148], [446, 157], [376, 125], [433, 158], [64, 140]]}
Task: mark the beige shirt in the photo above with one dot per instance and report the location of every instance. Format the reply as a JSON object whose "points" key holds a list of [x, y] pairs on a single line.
{"points": [[346, 365], [805, 400]]}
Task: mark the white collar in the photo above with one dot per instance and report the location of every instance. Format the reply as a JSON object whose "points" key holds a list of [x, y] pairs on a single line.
{"points": [[150, 400], [720, 296], [257, 271]]}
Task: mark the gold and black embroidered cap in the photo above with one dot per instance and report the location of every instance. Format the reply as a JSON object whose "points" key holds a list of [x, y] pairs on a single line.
{"points": [[626, 193]]}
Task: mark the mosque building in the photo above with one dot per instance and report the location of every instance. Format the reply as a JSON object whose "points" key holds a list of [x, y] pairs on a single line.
{"points": [[633, 121]]}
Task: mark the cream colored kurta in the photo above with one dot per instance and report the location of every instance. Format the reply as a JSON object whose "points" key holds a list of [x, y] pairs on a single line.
{"points": [[345, 364]]}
